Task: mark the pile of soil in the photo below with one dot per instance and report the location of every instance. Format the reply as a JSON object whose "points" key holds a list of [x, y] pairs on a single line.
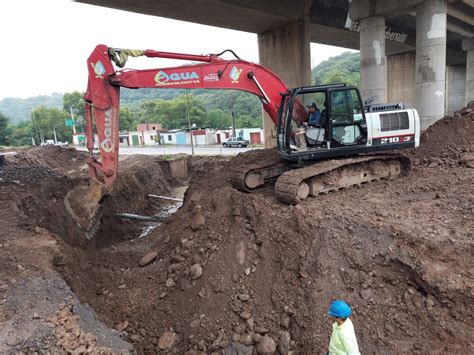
{"points": [[61, 159], [25, 174], [38, 311], [448, 137], [236, 273]]}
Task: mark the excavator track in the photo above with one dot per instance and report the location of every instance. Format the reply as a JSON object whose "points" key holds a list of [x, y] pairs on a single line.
{"points": [[322, 177], [250, 178], [264, 169]]}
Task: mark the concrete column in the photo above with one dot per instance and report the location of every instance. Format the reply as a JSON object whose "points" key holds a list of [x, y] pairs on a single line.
{"points": [[430, 66], [468, 46], [401, 78], [286, 51], [372, 59], [455, 88]]}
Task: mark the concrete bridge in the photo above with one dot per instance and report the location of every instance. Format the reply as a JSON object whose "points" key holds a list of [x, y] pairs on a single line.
{"points": [[420, 52]]}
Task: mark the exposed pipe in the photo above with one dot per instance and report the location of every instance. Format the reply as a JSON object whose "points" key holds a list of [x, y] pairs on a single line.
{"points": [[138, 217], [166, 198]]}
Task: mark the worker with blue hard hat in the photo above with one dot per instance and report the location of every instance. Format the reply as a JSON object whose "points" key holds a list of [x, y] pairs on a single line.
{"points": [[343, 339]]}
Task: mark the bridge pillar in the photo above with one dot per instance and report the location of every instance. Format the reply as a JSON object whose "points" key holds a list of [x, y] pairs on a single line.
{"points": [[372, 59], [430, 65], [401, 78], [286, 51], [455, 88], [468, 46]]}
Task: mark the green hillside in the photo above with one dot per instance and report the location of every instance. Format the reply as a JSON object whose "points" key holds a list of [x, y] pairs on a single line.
{"points": [[344, 68], [18, 110]]}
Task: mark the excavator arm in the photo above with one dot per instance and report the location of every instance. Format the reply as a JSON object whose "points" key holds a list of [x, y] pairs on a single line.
{"points": [[211, 72]]}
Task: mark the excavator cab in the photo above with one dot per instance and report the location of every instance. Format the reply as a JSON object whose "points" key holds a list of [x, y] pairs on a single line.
{"points": [[342, 121]]}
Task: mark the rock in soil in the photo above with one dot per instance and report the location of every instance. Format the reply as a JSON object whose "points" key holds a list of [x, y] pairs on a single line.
{"points": [[148, 258], [167, 340], [266, 346]]}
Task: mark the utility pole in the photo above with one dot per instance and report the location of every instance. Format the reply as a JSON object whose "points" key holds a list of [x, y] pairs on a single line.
{"points": [[37, 129], [54, 131], [72, 117], [231, 106], [189, 123], [233, 124]]}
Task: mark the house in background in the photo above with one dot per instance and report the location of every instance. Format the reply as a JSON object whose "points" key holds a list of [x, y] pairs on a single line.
{"points": [[222, 135], [176, 137], [253, 135], [157, 135], [149, 127], [204, 137], [135, 138], [124, 139]]}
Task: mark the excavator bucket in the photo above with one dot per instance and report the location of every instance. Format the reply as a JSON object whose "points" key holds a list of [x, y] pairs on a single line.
{"points": [[84, 205]]}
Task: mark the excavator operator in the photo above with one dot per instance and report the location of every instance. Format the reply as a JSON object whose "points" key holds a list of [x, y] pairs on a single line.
{"points": [[314, 118]]}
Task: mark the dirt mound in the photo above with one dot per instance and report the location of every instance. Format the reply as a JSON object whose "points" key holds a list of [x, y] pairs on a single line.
{"points": [[446, 143], [448, 133], [64, 160], [25, 174], [234, 268], [231, 273]]}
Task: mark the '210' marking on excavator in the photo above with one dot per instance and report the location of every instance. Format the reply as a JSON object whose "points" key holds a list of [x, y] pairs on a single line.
{"points": [[162, 78]]}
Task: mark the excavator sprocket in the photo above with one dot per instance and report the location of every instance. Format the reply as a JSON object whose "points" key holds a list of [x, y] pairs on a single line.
{"points": [[253, 169], [322, 177]]}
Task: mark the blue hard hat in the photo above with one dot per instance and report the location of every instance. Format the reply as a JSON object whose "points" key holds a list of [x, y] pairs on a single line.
{"points": [[339, 309]]}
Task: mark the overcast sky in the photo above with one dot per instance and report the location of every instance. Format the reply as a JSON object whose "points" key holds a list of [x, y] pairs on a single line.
{"points": [[45, 43]]}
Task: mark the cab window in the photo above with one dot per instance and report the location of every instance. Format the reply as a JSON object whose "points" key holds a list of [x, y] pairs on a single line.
{"points": [[345, 107]]}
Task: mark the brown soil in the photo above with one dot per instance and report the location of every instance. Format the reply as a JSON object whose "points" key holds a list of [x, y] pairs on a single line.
{"points": [[232, 267]]}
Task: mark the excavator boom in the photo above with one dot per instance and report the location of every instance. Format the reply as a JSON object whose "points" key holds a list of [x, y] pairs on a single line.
{"points": [[212, 72]]}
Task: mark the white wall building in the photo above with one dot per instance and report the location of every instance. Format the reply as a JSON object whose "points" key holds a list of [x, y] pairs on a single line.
{"points": [[204, 137], [176, 137], [253, 135]]}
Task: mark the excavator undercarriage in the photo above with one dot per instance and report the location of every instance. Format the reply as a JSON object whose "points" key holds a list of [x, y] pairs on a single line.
{"points": [[294, 182]]}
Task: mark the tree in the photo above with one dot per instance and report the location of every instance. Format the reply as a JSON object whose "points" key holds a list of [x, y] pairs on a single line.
{"points": [[74, 101], [173, 113], [48, 120], [4, 129], [246, 121], [126, 121], [344, 68], [21, 134], [218, 119]]}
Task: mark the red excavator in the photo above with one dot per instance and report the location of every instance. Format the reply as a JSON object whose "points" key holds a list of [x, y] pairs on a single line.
{"points": [[331, 156]]}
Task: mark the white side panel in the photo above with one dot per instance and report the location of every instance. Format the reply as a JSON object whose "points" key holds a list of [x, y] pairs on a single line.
{"points": [[374, 118], [370, 128], [417, 127]]}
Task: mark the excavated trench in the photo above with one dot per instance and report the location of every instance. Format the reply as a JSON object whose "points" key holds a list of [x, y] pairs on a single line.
{"points": [[230, 272]]}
